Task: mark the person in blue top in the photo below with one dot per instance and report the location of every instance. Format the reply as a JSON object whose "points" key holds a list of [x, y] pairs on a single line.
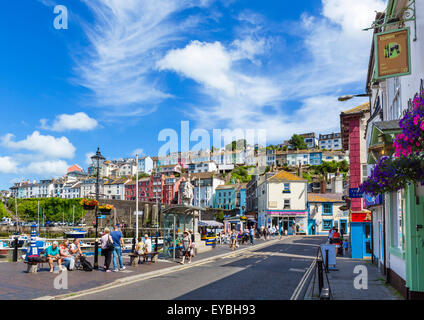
{"points": [[53, 254], [252, 234], [118, 243]]}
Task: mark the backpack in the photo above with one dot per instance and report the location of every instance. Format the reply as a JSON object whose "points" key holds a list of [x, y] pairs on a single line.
{"points": [[86, 265]]}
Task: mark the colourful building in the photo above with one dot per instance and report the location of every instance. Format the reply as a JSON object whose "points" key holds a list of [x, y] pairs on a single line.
{"points": [[353, 125]]}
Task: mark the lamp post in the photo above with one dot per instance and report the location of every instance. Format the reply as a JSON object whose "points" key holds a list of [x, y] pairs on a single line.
{"points": [[351, 96], [97, 159]]}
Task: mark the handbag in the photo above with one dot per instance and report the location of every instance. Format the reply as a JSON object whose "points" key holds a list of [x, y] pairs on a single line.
{"points": [[109, 244]]}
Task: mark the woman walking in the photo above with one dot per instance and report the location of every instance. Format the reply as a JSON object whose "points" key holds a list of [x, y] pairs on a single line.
{"points": [[186, 247], [233, 240], [107, 248], [193, 245]]}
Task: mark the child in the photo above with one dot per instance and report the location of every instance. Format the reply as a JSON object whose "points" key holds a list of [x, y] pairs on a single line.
{"points": [[346, 246]]}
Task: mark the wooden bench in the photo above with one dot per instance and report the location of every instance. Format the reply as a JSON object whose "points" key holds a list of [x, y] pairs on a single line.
{"points": [[133, 257], [33, 266]]}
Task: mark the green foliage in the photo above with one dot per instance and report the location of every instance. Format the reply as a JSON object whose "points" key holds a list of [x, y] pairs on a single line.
{"points": [[241, 174], [3, 211], [297, 142], [307, 176], [141, 175], [236, 145], [54, 209], [220, 216]]}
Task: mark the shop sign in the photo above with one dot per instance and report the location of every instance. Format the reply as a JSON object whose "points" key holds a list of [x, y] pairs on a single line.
{"points": [[373, 200], [392, 53], [360, 216], [355, 193]]}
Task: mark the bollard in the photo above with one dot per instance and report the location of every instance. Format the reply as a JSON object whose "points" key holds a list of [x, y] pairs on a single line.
{"points": [[320, 276], [133, 245], [156, 240], [326, 261], [15, 249]]}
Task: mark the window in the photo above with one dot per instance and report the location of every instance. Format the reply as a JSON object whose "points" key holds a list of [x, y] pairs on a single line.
{"points": [[327, 209], [327, 224], [397, 220], [286, 188], [286, 204]]}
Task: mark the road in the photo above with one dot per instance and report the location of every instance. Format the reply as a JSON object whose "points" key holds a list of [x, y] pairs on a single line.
{"points": [[269, 273]]}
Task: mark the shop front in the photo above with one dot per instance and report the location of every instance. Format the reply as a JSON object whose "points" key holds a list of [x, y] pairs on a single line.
{"points": [[294, 222], [360, 234]]}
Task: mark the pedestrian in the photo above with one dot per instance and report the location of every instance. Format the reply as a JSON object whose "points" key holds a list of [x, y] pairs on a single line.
{"points": [[186, 247], [281, 231], [330, 234], [67, 259], [342, 232], [233, 238], [293, 230], [297, 228], [252, 235], [147, 247], [346, 247], [313, 229], [118, 243], [193, 245], [106, 243]]}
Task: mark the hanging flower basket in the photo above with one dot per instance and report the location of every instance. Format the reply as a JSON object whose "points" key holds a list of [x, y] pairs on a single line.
{"points": [[89, 204], [106, 208]]}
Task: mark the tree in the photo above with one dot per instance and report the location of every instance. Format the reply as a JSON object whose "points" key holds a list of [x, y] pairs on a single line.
{"points": [[297, 142], [240, 144], [141, 175]]}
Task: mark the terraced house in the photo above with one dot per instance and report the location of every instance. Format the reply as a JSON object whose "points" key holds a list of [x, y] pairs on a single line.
{"points": [[282, 200]]}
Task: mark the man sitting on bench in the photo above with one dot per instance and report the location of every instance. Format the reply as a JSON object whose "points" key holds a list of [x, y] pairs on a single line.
{"points": [[147, 247], [75, 251], [53, 254]]}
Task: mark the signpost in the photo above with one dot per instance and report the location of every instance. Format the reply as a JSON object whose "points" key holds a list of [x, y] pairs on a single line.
{"points": [[392, 52], [355, 193]]}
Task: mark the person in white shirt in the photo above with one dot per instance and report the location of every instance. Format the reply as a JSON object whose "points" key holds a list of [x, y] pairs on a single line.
{"points": [[147, 246]]}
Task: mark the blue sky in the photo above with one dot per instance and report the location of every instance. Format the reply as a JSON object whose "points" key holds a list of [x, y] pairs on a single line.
{"points": [[125, 70]]}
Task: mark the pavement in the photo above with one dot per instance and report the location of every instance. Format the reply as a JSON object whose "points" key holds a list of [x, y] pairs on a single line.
{"points": [[17, 284], [342, 282]]}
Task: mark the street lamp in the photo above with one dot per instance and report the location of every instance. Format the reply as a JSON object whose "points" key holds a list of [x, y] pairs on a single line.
{"points": [[97, 161], [350, 96]]}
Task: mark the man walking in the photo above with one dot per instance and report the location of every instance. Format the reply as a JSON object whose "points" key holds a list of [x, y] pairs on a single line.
{"points": [[118, 243], [252, 235]]}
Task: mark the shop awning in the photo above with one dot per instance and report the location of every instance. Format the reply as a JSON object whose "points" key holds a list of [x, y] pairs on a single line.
{"points": [[210, 223]]}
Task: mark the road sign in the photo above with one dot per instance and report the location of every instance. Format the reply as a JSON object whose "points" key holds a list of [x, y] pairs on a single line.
{"points": [[101, 217], [355, 193]]}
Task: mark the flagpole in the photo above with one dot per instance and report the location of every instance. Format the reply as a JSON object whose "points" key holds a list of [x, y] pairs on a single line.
{"points": [[136, 198]]}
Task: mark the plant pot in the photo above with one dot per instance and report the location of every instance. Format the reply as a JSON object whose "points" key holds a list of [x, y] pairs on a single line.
{"points": [[87, 207], [105, 211], [419, 190]]}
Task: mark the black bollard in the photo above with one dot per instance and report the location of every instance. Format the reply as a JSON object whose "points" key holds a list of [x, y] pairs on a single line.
{"points": [[15, 249], [326, 261], [133, 244], [320, 276]]}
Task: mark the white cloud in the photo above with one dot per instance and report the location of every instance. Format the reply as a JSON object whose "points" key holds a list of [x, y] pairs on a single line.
{"points": [[44, 145], [65, 122], [126, 39], [138, 152], [52, 168], [8, 165], [335, 54], [88, 160]]}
